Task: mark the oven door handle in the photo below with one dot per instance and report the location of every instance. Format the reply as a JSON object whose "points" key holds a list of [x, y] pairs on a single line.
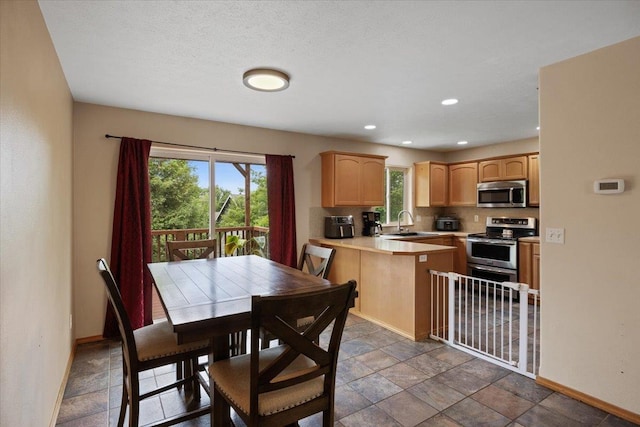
{"points": [[492, 242], [491, 269]]}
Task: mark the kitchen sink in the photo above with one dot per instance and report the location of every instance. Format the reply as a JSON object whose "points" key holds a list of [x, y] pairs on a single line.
{"points": [[412, 233]]}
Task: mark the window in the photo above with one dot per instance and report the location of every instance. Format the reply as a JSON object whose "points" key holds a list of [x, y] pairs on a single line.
{"points": [[397, 193]]}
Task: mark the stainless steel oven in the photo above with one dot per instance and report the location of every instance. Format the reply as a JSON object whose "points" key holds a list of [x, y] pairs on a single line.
{"points": [[493, 255]]}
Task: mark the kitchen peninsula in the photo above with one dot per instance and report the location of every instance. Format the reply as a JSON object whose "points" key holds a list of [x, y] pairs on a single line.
{"points": [[393, 279]]}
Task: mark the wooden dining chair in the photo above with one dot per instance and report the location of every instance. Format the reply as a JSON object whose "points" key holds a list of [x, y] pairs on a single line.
{"points": [[281, 385], [314, 260], [191, 249], [147, 348]]}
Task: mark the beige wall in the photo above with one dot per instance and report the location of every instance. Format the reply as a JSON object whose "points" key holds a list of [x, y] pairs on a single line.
{"points": [[590, 129], [35, 273], [507, 148], [95, 166]]}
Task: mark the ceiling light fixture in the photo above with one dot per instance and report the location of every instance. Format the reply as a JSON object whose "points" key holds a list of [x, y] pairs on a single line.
{"points": [[407, 142], [265, 80], [450, 101], [370, 127], [538, 128], [463, 142]]}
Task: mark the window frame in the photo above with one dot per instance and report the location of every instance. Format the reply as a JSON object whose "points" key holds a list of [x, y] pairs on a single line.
{"points": [[407, 202]]}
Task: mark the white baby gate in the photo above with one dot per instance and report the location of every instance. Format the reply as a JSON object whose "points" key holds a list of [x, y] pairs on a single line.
{"points": [[495, 321]]}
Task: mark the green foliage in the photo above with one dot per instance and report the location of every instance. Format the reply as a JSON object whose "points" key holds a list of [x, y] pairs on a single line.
{"points": [[396, 196], [255, 245], [177, 202], [234, 213]]}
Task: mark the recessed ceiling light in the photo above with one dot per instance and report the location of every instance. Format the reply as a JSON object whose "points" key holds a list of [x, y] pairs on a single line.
{"points": [[370, 127], [463, 142], [407, 142], [538, 128], [450, 101], [265, 80]]}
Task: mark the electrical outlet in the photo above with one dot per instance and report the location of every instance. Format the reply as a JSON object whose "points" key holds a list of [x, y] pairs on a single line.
{"points": [[555, 235], [422, 258], [476, 218], [418, 218], [70, 321]]}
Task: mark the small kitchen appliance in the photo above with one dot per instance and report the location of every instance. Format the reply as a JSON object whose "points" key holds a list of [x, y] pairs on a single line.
{"points": [[447, 223], [371, 224], [493, 255], [338, 227]]}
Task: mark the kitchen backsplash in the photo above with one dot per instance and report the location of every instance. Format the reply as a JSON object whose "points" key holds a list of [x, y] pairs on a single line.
{"points": [[427, 217]]}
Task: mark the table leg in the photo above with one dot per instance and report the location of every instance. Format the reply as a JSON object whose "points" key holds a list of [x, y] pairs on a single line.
{"points": [[219, 416]]}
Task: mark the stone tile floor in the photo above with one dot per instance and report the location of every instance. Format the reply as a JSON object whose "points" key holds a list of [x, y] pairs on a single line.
{"points": [[383, 380]]}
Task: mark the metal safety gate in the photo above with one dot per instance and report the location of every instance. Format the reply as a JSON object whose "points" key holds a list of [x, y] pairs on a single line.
{"points": [[495, 321]]}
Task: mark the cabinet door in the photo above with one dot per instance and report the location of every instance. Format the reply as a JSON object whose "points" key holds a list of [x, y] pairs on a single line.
{"points": [[534, 180], [347, 180], [514, 168], [345, 267], [463, 180], [460, 259], [535, 271], [489, 170], [372, 181], [431, 184], [525, 253]]}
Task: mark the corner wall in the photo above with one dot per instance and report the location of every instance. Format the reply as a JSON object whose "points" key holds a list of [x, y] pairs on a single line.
{"points": [[35, 185], [590, 129]]}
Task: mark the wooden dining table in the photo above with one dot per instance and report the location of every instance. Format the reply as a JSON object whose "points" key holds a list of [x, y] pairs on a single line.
{"points": [[211, 298]]}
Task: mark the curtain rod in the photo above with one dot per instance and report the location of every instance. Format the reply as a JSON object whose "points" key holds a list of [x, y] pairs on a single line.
{"points": [[221, 150]]}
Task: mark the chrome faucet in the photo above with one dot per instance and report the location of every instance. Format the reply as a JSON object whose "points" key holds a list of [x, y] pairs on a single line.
{"points": [[399, 215]]}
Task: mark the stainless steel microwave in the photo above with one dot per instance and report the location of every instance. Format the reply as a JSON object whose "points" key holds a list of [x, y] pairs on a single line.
{"points": [[502, 194]]}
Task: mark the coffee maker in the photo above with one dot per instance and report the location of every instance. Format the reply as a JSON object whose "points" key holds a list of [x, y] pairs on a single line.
{"points": [[371, 224]]}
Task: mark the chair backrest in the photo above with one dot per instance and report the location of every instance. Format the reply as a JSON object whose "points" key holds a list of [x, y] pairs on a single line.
{"points": [[191, 249], [316, 259], [129, 351], [278, 315]]}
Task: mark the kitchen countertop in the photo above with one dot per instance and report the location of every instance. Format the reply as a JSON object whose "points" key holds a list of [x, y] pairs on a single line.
{"points": [[392, 245], [532, 239]]}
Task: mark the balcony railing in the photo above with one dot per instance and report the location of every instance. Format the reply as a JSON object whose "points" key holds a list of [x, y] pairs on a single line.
{"points": [[159, 239]]}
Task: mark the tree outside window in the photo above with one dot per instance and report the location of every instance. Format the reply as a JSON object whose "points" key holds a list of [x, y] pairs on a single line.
{"points": [[396, 200]]}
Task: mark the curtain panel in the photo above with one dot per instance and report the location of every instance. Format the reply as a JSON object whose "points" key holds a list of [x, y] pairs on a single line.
{"points": [[282, 210], [131, 235]]}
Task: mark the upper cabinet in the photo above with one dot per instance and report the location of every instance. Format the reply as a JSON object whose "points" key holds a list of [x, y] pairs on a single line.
{"points": [[463, 184], [431, 184], [507, 169], [350, 179], [534, 180]]}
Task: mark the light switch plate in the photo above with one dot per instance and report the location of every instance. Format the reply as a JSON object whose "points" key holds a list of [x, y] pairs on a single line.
{"points": [[422, 258], [555, 235]]}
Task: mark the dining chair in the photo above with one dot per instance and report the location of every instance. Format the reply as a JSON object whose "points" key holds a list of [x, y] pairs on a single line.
{"points": [[191, 249], [147, 348], [280, 385], [315, 260]]}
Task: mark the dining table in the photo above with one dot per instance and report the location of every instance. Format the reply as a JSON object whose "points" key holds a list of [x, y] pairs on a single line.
{"points": [[211, 298]]}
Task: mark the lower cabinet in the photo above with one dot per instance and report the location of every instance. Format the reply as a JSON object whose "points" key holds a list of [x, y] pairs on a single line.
{"points": [[460, 258], [345, 267], [529, 264]]}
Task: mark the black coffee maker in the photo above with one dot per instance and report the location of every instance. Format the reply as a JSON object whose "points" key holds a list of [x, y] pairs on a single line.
{"points": [[371, 224]]}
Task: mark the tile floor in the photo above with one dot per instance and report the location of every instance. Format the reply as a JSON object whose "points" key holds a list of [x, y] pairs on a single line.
{"points": [[383, 380]]}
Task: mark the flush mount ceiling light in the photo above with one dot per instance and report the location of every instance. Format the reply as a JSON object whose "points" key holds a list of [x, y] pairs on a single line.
{"points": [[450, 101], [370, 127], [265, 80], [407, 142], [463, 142]]}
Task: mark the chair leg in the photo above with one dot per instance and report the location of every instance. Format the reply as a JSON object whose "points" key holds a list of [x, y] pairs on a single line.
{"points": [[196, 383], [123, 405], [221, 410]]}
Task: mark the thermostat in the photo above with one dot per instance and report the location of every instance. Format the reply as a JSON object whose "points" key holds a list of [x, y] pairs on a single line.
{"points": [[608, 186]]}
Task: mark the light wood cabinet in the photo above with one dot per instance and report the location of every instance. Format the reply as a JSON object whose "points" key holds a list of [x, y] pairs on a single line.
{"points": [[529, 264], [460, 257], [463, 180], [534, 180], [352, 179], [510, 168], [431, 184], [345, 267]]}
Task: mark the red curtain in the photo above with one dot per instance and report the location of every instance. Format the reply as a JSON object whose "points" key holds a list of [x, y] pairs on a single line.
{"points": [[282, 210], [131, 236]]}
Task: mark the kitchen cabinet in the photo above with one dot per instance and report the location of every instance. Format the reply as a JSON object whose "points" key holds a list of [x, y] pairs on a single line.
{"points": [[460, 257], [350, 179], [534, 180], [506, 169], [431, 184], [463, 180], [529, 264], [344, 267]]}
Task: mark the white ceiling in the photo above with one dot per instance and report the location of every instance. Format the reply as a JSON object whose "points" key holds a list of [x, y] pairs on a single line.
{"points": [[351, 63]]}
